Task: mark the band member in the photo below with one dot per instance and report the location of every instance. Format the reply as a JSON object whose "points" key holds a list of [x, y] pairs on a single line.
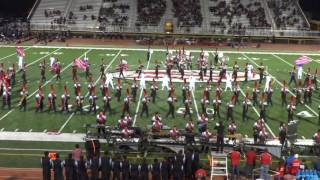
{"points": [[181, 69], [121, 69], [39, 100], [103, 86], [42, 67], [74, 71], [154, 89], [140, 67], [236, 92], [101, 121], [246, 70], [118, 90], [185, 89], [6, 96], [128, 118], [255, 94], [23, 74], [156, 117], [283, 135], [157, 66], [232, 128], [202, 122], [263, 107], [156, 126], [93, 101], [284, 92], [235, 71], [65, 100], [23, 99], [134, 88], [207, 90], [293, 76], [211, 73], [257, 127], [261, 72], [58, 71], [145, 101], [291, 107], [315, 79], [77, 86], [204, 102], [126, 133], [87, 70], [102, 68], [171, 100], [216, 105], [187, 104], [91, 85], [122, 123], [206, 135], [189, 126], [245, 106], [263, 135], [106, 102], [52, 96], [307, 80], [174, 133], [269, 93], [109, 80], [12, 75], [126, 105], [230, 106], [298, 90], [228, 82], [79, 102]]}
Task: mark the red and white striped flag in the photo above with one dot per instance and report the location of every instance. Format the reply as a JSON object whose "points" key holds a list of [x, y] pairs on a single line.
{"points": [[81, 64], [20, 51]]}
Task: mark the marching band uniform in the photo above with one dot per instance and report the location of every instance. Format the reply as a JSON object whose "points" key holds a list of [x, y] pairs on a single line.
{"points": [[79, 103], [174, 133], [187, 104], [77, 87], [204, 103], [230, 106], [255, 94], [185, 89], [134, 88], [293, 76], [315, 79], [156, 117], [39, 100], [93, 102], [236, 92], [103, 87], [284, 92], [106, 102], [257, 127], [263, 134], [118, 90], [91, 86], [52, 96], [298, 91], [189, 126], [156, 126], [282, 135], [102, 68], [246, 69], [101, 121], [12, 75], [263, 108], [157, 70], [154, 89], [245, 106], [43, 71], [65, 100], [6, 96], [58, 71], [171, 100], [216, 106], [291, 107], [206, 135], [23, 99], [235, 71], [145, 101], [122, 123], [126, 106], [74, 71], [232, 128], [261, 72], [202, 122], [269, 93]]}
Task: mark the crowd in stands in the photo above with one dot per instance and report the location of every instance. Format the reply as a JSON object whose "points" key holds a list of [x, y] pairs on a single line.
{"points": [[72, 18], [286, 14], [116, 14], [12, 29], [55, 16], [150, 12], [188, 12], [253, 11]]}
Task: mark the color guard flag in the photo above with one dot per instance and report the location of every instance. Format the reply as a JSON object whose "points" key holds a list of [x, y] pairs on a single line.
{"points": [[81, 64], [20, 51], [302, 60]]}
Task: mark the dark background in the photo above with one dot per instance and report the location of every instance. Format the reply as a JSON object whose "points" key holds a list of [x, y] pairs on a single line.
{"points": [[21, 8]]}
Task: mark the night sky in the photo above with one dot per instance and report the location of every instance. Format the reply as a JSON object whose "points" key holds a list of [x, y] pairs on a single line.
{"points": [[21, 8]]}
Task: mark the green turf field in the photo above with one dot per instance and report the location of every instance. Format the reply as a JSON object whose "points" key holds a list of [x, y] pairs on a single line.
{"points": [[278, 65]]}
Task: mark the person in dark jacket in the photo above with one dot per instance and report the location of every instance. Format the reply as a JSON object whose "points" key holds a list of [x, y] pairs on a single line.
{"points": [[57, 168], [117, 168], [82, 169], [125, 168], [134, 171], [106, 166], [70, 169], [220, 135], [155, 169], [165, 167], [46, 167], [95, 163], [188, 165], [144, 171]]}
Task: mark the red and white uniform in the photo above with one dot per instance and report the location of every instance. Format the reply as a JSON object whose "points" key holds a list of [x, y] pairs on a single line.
{"points": [[189, 126], [174, 133], [101, 118], [157, 125], [206, 135]]}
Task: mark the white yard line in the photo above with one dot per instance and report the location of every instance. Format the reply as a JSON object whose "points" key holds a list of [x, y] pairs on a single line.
{"points": [[71, 115], [164, 50], [283, 60], [33, 62], [13, 54], [195, 103], [256, 111], [141, 91], [313, 111], [8, 113]]}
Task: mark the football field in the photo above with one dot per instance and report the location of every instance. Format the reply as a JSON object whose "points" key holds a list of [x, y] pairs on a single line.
{"points": [[278, 65]]}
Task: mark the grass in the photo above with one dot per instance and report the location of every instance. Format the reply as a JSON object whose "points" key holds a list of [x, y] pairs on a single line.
{"points": [[68, 123]]}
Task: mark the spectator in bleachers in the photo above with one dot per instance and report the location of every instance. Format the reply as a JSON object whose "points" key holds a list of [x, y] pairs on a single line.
{"points": [[150, 11], [77, 153], [188, 12]]}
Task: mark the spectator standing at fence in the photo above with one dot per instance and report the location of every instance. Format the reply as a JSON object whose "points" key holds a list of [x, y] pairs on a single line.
{"points": [[281, 169], [250, 162], [57, 168], [46, 167], [106, 166], [70, 169], [235, 162], [76, 153], [81, 169], [265, 162]]}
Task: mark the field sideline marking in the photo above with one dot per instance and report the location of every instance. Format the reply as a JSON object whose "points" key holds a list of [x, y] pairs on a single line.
{"points": [[138, 105], [95, 83], [280, 83], [164, 50], [256, 111], [36, 90], [195, 103], [283, 60]]}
